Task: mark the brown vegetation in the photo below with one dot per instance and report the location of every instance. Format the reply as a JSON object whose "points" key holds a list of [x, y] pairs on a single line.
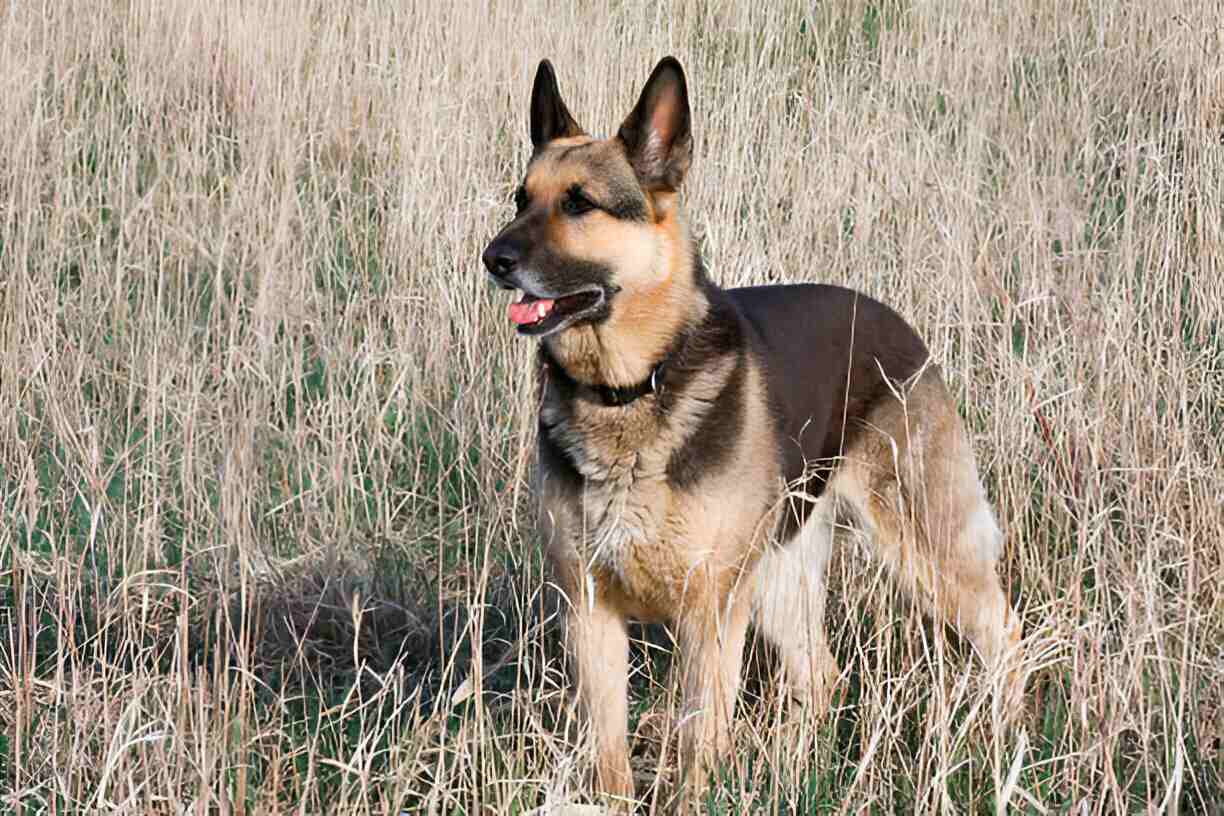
{"points": [[264, 430]]}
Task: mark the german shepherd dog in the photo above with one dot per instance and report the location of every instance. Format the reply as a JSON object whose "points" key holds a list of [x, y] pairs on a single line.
{"points": [[697, 443]]}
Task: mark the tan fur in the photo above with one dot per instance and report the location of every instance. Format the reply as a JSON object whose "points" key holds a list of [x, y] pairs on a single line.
{"points": [[658, 298], [910, 482], [634, 548], [638, 549], [627, 543]]}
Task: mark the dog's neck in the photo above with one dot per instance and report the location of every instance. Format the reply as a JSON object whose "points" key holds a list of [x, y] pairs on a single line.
{"points": [[624, 349]]}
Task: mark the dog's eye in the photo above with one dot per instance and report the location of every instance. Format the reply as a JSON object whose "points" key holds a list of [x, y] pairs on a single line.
{"points": [[520, 200], [575, 203]]}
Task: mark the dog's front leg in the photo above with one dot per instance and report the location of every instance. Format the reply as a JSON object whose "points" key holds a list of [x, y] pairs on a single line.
{"points": [[598, 642], [711, 639]]}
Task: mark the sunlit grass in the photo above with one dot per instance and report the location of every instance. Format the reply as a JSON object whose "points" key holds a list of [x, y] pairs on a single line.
{"points": [[265, 434]]}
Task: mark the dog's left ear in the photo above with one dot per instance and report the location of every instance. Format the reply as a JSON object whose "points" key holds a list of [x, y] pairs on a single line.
{"points": [[656, 134], [550, 119]]}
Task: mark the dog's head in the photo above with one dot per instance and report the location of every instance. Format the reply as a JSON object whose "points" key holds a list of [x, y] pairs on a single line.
{"points": [[596, 217]]}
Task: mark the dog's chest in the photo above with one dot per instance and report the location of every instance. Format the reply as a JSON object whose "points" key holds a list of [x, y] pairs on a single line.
{"points": [[622, 497], [641, 536]]}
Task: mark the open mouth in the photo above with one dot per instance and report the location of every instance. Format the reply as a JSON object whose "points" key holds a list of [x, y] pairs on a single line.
{"points": [[535, 315]]}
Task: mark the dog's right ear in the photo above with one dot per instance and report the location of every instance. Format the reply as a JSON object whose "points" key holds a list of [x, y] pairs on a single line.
{"points": [[550, 119]]}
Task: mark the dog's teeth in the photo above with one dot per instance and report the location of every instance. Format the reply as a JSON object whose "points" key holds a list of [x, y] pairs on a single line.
{"points": [[540, 309]]}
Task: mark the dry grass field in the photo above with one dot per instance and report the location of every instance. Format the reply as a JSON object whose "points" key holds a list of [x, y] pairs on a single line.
{"points": [[265, 432]]}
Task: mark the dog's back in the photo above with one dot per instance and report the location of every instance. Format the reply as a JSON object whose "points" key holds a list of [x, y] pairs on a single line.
{"points": [[830, 355]]}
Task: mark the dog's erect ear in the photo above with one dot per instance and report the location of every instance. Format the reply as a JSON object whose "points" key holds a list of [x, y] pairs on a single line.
{"points": [[656, 134], [550, 119]]}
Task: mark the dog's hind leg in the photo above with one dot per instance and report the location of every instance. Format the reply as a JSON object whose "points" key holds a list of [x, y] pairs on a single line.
{"points": [[789, 604], [910, 476]]}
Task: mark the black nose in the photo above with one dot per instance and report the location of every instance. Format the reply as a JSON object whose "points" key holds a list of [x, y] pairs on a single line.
{"points": [[501, 259]]}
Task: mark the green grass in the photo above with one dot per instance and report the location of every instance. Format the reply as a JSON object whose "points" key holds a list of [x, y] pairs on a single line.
{"points": [[265, 438]]}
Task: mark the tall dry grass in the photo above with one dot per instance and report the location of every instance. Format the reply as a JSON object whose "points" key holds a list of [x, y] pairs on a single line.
{"points": [[264, 431]]}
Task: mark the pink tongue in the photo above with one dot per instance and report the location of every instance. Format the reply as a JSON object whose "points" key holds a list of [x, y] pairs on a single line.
{"points": [[528, 311]]}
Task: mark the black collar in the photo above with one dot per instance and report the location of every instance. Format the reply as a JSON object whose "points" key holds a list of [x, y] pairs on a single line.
{"points": [[630, 393], [610, 396]]}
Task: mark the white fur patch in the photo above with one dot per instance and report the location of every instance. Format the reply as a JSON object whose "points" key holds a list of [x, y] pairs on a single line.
{"points": [[982, 533], [790, 578]]}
